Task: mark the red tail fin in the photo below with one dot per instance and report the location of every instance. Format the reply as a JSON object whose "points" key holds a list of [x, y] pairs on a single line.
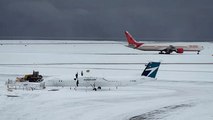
{"points": [[131, 40]]}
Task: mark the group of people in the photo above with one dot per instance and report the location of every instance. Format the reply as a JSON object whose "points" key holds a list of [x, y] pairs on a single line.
{"points": [[76, 75], [76, 78]]}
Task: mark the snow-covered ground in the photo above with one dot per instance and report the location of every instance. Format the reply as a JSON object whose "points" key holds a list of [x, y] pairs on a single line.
{"points": [[184, 89]]}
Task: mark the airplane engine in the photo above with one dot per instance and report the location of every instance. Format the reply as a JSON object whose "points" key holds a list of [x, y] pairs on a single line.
{"points": [[179, 50]]}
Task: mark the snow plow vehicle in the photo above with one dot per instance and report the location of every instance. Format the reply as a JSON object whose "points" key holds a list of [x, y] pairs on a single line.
{"points": [[35, 77], [28, 82]]}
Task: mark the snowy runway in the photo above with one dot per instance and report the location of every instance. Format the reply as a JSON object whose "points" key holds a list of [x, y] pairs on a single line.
{"points": [[124, 103], [182, 91]]}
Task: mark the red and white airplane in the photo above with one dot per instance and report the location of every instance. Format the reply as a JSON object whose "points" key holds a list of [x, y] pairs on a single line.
{"points": [[163, 48]]}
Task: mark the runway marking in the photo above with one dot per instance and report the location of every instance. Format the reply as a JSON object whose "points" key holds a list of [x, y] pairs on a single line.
{"points": [[211, 63], [160, 113], [141, 53], [12, 95], [61, 43]]}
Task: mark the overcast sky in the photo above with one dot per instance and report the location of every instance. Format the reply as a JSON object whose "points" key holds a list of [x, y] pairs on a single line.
{"points": [[171, 20]]}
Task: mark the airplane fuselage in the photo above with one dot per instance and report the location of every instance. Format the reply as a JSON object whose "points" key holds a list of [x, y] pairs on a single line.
{"points": [[160, 47], [95, 81]]}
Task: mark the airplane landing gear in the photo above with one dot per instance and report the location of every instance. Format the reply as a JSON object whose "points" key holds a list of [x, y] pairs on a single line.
{"points": [[165, 52], [161, 52], [95, 89], [198, 52]]}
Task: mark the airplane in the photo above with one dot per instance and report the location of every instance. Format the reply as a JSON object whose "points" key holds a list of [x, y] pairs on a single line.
{"points": [[149, 73], [163, 48]]}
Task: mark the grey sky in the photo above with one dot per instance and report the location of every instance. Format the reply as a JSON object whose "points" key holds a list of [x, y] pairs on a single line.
{"points": [[171, 20]]}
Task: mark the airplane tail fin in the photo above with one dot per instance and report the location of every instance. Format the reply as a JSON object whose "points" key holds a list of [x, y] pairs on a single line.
{"points": [[132, 41], [151, 69]]}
